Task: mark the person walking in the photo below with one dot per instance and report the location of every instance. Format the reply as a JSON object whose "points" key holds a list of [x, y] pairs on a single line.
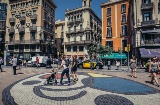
{"points": [[117, 64], [1, 62], [109, 64], [74, 69], [14, 64], [65, 70], [37, 62], [133, 67], [154, 69]]}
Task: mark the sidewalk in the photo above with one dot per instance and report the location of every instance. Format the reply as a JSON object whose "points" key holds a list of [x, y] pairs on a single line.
{"points": [[93, 88]]}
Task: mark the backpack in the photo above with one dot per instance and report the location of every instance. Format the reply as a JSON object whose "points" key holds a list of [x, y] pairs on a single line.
{"points": [[67, 62]]}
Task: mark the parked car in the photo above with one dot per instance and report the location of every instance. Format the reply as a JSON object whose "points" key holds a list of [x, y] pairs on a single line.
{"points": [[87, 64], [42, 61]]}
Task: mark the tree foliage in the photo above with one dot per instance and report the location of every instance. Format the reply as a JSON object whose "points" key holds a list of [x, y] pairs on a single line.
{"points": [[104, 50]]}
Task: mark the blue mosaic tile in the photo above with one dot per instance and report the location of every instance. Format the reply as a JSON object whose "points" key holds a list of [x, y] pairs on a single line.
{"points": [[120, 85]]}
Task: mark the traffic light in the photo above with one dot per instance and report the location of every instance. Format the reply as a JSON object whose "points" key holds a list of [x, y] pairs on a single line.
{"points": [[128, 47], [120, 51]]}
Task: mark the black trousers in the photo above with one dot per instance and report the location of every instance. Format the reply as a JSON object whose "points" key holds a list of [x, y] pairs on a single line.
{"points": [[0, 67], [14, 70], [65, 71]]}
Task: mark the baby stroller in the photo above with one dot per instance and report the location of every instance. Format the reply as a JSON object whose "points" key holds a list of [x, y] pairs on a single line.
{"points": [[52, 79]]}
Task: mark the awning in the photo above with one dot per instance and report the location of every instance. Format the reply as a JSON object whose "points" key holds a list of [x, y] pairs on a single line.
{"points": [[149, 53], [156, 31], [114, 56]]}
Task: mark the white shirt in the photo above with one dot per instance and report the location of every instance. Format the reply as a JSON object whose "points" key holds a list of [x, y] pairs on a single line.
{"points": [[63, 64], [14, 62]]}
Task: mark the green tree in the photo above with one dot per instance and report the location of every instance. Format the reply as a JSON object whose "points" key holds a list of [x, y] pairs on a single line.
{"points": [[105, 50]]}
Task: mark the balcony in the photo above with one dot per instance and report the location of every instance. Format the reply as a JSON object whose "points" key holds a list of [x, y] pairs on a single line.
{"points": [[109, 36], [21, 30], [23, 19], [33, 17], [47, 30], [11, 30], [12, 20], [33, 28], [147, 6], [151, 42], [148, 23], [70, 22]]}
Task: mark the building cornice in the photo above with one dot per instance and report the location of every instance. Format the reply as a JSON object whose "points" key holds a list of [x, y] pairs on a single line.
{"points": [[83, 9], [112, 3]]}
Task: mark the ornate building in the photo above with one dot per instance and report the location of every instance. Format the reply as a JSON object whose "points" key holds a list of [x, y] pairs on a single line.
{"points": [[31, 25], [82, 29], [3, 15], [145, 29]]}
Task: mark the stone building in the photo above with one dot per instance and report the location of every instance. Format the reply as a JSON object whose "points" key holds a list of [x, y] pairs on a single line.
{"points": [[31, 25], [59, 37], [3, 16], [145, 28], [82, 29]]}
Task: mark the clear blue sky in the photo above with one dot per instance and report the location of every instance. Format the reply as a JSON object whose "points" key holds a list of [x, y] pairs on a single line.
{"points": [[62, 5]]}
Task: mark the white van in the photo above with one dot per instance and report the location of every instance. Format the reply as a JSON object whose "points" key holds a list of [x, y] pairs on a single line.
{"points": [[42, 61]]}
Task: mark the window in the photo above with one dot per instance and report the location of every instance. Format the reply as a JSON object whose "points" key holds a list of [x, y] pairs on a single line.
{"points": [[74, 18], [123, 18], [124, 30], [62, 28], [81, 27], [123, 8], [21, 37], [147, 16], [109, 43], [109, 21], [74, 48], [84, 3], [108, 11], [87, 36], [146, 1], [69, 29], [69, 49], [11, 38], [124, 44], [74, 28], [75, 39], [68, 39], [33, 36], [81, 48], [80, 37], [109, 32]]}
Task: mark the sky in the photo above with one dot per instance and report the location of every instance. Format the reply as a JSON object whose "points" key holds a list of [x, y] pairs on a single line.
{"points": [[62, 5]]}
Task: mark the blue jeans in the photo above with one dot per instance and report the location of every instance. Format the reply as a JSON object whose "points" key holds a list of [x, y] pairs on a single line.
{"points": [[65, 71]]}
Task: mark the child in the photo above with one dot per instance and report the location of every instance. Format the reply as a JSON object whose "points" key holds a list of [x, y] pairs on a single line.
{"points": [[52, 77]]}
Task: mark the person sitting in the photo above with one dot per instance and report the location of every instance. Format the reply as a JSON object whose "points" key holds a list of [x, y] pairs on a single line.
{"points": [[53, 77]]}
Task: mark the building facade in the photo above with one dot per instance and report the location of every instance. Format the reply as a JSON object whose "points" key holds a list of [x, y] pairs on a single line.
{"points": [[145, 28], [3, 16], [116, 24], [82, 29], [31, 25], [59, 37]]}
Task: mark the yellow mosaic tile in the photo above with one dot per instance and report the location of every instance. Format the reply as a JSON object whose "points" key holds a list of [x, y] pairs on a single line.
{"points": [[98, 75]]}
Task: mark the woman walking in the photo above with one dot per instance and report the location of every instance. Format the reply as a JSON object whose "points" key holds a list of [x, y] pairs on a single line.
{"points": [[154, 69], [133, 67]]}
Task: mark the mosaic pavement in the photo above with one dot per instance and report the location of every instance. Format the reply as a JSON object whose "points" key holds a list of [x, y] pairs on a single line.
{"points": [[91, 89]]}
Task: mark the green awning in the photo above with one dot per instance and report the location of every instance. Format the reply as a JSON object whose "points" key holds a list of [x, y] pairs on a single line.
{"points": [[114, 56]]}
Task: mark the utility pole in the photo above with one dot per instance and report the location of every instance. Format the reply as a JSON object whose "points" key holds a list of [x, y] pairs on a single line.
{"points": [[128, 50]]}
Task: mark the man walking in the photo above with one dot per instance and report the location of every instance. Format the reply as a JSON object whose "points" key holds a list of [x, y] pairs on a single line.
{"points": [[1, 61], [14, 64], [109, 64], [74, 69], [65, 70]]}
